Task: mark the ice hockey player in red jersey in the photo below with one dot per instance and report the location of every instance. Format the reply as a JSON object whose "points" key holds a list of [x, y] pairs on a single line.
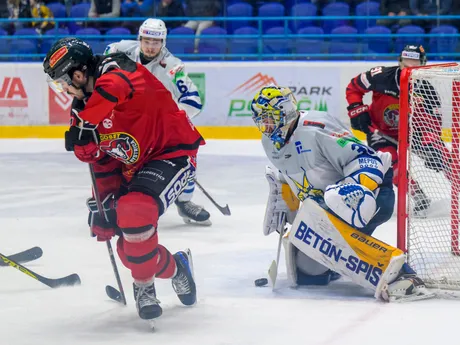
{"points": [[142, 147], [383, 115]]}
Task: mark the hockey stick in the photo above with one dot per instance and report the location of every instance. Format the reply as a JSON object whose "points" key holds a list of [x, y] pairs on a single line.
{"points": [[70, 280], [24, 256], [273, 269], [225, 210], [384, 136], [109, 245]]}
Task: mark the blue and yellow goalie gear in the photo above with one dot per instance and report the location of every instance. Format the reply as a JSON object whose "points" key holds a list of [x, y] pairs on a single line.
{"points": [[273, 109], [335, 245]]}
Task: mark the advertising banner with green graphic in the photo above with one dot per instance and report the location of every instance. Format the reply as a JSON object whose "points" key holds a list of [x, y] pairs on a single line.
{"points": [[228, 89]]}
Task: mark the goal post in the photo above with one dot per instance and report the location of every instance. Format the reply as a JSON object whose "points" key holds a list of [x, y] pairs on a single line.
{"points": [[429, 172]]}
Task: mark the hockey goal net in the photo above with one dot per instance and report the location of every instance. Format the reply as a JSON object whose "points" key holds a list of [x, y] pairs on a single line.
{"points": [[429, 173]]}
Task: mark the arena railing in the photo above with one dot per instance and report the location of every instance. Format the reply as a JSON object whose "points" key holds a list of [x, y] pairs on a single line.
{"points": [[361, 41]]}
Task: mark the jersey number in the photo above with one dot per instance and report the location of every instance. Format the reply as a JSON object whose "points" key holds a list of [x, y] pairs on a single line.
{"points": [[181, 86], [376, 70]]}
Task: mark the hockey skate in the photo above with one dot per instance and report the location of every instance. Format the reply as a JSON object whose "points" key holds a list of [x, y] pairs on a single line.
{"points": [[191, 212], [407, 287], [183, 282], [148, 306]]}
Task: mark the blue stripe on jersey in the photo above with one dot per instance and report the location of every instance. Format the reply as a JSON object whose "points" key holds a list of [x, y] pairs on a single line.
{"points": [[191, 103]]}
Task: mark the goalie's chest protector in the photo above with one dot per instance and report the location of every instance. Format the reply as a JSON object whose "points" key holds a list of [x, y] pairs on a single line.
{"points": [[301, 162]]}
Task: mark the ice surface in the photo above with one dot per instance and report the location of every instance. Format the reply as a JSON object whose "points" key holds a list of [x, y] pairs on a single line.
{"points": [[42, 202]]}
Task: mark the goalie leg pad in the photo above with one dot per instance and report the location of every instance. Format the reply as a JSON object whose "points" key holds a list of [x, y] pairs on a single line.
{"points": [[328, 240], [302, 270]]}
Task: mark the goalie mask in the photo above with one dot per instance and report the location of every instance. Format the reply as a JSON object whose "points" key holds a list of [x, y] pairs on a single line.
{"points": [[274, 109]]}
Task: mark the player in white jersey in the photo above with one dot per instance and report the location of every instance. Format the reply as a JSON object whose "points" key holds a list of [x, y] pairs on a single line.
{"points": [[150, 51], [346, 192]]}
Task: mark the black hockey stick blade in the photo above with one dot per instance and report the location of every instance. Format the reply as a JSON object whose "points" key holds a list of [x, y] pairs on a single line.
{"points": [[224, 210], [114, 294], [25, 256], [70, 280]]}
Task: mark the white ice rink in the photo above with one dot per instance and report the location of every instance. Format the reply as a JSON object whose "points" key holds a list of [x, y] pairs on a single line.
{"points": [[42, 203]]}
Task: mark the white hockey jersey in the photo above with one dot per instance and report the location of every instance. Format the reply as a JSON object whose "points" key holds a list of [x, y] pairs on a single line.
{"points": [[321, 152], [169, 70]]}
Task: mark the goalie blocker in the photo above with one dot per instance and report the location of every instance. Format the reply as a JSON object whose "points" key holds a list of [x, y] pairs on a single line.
{"points": [[328, 243]]}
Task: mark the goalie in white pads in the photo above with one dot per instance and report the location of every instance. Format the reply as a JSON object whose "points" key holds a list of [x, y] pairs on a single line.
{"points": [[150, 51], [346, 192]]}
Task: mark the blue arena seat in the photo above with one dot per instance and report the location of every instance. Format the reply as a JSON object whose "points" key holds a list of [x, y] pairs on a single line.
{"points": [[238, 10], [241, 45], [78, 11], [181, 45], [4, 43], [418, 38], [344, 45], [335, 9], [277, 45], [380, 45], [213, 45], [368, 8], [46, 44], [312, 45], [58, 9], [271, 10], [443, 44], [303, 10]]}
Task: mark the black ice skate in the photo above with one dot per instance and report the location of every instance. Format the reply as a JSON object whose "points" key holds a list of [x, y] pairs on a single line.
{"points": [[148, 306], [183, 282], [191, 212]]}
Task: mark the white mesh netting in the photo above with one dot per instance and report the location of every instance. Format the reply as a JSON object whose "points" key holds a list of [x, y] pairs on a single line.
{"points": [[433, 173]]}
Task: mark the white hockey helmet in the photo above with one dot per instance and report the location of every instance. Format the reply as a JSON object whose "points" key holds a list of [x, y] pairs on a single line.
{"points": [[153, 28]]}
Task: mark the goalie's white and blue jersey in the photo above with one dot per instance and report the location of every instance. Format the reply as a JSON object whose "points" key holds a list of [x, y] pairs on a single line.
{"points": [[322, 152], [169, 70]]}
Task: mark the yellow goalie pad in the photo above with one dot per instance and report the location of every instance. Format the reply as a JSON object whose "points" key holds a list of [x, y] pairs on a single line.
{"points": [[333, 243]]}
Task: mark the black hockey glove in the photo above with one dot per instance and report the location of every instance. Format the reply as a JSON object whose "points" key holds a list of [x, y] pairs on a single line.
{"points": [[359, 117], [80, 133]]}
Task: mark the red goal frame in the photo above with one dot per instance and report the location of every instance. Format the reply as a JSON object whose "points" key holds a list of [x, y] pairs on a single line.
{"points": [[404, 111]]}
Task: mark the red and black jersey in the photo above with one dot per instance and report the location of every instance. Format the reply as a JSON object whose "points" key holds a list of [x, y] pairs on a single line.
{"points": [[137, 118], [383, 82]]}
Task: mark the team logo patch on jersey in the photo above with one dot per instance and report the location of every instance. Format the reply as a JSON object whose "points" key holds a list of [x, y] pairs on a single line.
{"points": [[305, 189], [391, 115], [120, 146], [107, 123]]}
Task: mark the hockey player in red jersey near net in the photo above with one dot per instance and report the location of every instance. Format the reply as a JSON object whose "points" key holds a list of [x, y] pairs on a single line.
{"points": [[142, 147], [382, 115]]}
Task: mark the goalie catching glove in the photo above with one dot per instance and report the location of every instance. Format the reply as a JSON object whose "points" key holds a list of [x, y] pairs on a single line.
{"points": [[280, 199]]}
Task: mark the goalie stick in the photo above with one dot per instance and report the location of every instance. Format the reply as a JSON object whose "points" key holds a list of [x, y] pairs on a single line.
{"points": [[225, 210], [273, 269], [24, 256], [70, 280], [100, 209]]}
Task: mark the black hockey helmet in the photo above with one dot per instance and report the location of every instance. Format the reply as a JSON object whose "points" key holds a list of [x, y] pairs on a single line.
{"points": [[66, 56], [413, 52]]}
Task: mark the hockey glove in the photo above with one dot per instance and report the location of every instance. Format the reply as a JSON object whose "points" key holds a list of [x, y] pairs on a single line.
{"points": [[103, 227], [82, 138], [359, 117]]}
